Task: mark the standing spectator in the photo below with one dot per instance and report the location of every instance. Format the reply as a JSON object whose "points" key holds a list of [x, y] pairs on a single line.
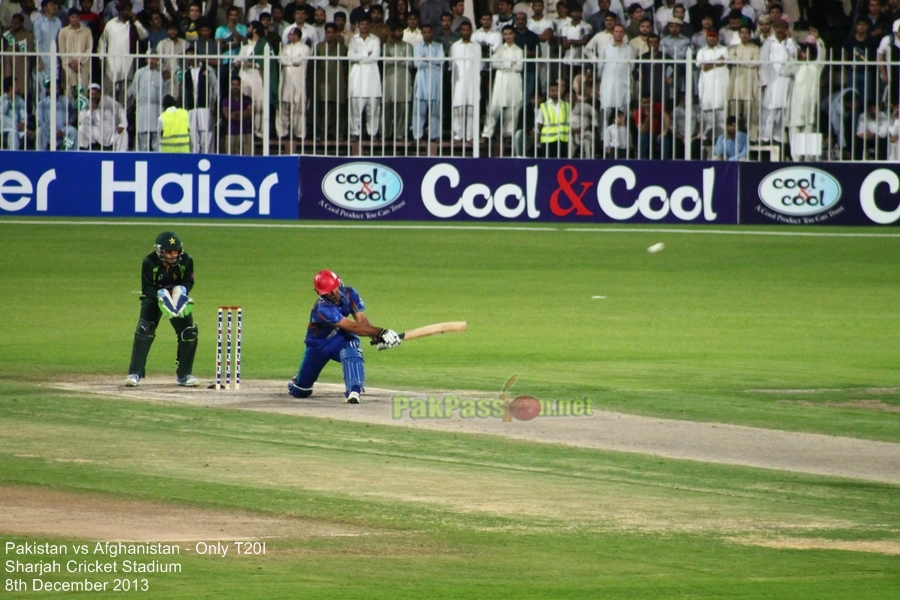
{"points": [[174, 128], [871, 133], [639, 43], [318, 24], [594, 48], [398, 13], [430, 12], [763, 31], [731, 35], [412, 35], [75, 44], [91, 20], [731, 143], [529, 42], [237, 111], [46, 26], [861, 49], [16, 43], [173, 49], [262, 6], [465, 76], [308, 34], [505, 15], [805, 94], [265, 19], [291, 119], [199, 96], [103, 124], [651, 71], [252, 64], [506, 99], [156, 31], [147, 91], [490, 41], [743, 83], [397, 84], [66, 123], [330, 74], [775, 53], [457, 10], [118, 44], [12, 116], [365, 80], [704, 7], [444, 34], [889, 55], [231, 35], [635, 18], [358, 13], [190, 25], [377, 27], [544, 28], [552, 124], [698, 40], [879, 23], [427, 90], [713, 86], [663, 14], [573, 39], [615, 79], [674, 46]]}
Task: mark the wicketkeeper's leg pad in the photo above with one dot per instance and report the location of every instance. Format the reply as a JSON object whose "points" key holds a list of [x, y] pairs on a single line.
{"points": [[187, 348], [354, 367], [144, 335]]}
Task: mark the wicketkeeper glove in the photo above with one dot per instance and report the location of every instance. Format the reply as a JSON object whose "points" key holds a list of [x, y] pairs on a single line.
{"points": [[175, 304], [388, 338]]}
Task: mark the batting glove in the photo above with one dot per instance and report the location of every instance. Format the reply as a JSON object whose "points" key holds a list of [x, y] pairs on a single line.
{"points": [[388, 338]]}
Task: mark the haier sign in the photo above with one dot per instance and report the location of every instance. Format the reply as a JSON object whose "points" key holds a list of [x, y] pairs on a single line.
{"points": [[91, 184]]}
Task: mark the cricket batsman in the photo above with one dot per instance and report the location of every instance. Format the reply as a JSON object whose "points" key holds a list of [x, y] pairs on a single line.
{"points": [[333, 335], [167, 276]]}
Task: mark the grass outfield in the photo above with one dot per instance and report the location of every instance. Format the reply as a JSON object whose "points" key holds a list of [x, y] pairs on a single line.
{"points": [[787, 332]]}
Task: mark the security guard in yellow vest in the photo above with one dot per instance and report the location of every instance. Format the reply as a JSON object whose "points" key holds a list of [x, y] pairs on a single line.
{"points": [[174, 128], [553, 124]]}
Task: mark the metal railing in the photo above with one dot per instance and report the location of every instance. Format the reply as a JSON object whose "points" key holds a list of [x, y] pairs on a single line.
{"points": [[824, 110]]}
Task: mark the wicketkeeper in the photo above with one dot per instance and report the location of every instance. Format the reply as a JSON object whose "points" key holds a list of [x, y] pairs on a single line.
{"points": [[167, 276], [331, 335]]}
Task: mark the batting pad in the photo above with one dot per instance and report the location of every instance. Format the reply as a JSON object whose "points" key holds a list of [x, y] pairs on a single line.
{"points": [[175, 303]]}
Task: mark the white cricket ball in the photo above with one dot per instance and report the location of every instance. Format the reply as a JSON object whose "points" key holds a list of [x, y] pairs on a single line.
{"points": [[656, 248]]}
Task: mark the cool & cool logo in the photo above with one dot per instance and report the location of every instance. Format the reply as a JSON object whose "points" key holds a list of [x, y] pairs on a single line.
{"points": [[799, 191], [362, 186]]}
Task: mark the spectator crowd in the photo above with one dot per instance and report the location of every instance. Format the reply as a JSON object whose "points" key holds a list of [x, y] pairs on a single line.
{"points": [[716, 79]]}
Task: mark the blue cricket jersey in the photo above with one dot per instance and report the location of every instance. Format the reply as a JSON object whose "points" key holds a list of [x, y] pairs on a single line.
{"points": [[325, 315]]}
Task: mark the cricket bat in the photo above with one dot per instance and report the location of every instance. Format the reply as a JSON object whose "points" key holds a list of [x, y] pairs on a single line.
{"points": [[431, 330]]}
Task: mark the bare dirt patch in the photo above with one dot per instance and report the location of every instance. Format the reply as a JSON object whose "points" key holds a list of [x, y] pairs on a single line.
{"points": [[708, 442], [796, 543], [39, 512]]}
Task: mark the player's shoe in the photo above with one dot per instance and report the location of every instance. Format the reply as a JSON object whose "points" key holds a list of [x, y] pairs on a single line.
{"points": [[188, 381], [133, 381], [353, 398]]}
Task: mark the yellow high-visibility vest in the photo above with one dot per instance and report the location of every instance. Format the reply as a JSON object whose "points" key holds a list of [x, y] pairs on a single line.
{"points": [[554, 130], [175, 135]]}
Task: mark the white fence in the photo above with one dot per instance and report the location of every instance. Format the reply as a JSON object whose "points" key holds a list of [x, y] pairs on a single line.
{"points": [[297, 104]]}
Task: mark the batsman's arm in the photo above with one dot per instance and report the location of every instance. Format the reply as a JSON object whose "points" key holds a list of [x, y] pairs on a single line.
{"points": [[360, 327]]}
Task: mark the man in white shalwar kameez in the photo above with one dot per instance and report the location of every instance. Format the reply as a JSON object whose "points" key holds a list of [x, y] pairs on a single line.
{"points": [[116, 46], [803, 106], [713, 86], [292, 108], [775, 52], [506, 100], [615, 78], [146, 91], [365, 80], [466, 79], [103, 124]]}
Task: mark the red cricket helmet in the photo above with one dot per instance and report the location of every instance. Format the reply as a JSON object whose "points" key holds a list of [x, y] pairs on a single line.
{"points": [[326, 282]]}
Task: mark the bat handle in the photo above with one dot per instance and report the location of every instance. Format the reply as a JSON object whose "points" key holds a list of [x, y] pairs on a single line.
{"points": [[402, 336]]}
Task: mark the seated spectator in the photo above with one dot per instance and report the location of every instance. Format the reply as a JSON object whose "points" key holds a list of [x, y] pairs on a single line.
{"points": [[635, 17], [617, 138], [648, 119], [412, 35], [103, 123], [732, 144], [12, 116], [871, 133], [639, 42], [378, 27], [894, 134]]}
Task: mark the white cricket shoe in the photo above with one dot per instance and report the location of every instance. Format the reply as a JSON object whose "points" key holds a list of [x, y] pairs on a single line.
{"points": [[133, 381], [188, 381], [353, 398]]}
